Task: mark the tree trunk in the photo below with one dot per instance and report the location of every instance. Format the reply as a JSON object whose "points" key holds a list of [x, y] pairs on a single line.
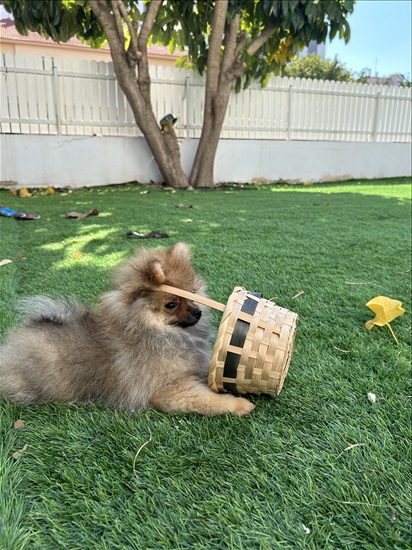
{"points": [[222, 71], [164, 145], [203, 166]]}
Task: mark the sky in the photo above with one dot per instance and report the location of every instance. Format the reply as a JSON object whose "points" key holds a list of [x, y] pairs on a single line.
{"points": [[380, 38]]}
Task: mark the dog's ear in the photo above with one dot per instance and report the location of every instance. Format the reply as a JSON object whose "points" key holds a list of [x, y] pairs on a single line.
{"points": [[155, 273], [180, 251]]}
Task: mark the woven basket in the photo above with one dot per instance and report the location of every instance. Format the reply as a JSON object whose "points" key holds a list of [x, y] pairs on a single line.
{"points": [[254, 342]]}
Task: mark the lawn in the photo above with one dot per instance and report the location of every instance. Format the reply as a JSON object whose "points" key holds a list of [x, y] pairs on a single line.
{"points": [[320, 466]]}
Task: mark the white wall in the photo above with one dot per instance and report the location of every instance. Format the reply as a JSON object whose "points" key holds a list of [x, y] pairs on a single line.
{"points": [[77, 161]]}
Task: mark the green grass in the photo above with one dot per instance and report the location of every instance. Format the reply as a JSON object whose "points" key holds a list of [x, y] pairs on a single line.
{"points": [[319, 456]]}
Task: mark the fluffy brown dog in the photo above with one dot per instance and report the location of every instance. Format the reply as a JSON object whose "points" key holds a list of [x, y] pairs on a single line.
{"points": [[140, 347]]}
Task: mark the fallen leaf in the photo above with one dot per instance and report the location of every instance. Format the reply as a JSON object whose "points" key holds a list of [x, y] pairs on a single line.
{"points": [[79, 216], [151, 235], [49, 191], [18, 453], [77, 255], [5, 262], [13, 191], [24, 193], [19, 425], [386, 309]]}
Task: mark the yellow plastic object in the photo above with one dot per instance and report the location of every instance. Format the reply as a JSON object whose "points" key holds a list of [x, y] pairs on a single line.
{"points": [[386, 309]]}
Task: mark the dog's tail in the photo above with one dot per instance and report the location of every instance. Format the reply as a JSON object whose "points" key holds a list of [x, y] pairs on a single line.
{"points": [[43, 309]]}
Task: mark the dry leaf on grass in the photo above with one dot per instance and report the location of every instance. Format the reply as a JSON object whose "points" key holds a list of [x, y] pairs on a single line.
{"points": [[18, 453], [79, 216], [151, 235], [24, 193], [5, 262], [19, 425]]}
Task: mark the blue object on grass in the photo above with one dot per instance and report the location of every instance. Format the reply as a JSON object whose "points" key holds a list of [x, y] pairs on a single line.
{"points": [[9, 213]]}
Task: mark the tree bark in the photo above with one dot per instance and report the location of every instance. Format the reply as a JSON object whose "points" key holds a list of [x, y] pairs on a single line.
{"points": [[220, 77], [221, 73], [136, 88]]}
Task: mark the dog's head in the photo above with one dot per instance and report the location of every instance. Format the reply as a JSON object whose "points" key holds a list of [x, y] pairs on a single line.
{"points": [[139, 280]]}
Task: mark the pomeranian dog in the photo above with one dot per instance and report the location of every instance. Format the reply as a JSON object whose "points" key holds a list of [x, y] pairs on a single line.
{"points": [[139, 347]]}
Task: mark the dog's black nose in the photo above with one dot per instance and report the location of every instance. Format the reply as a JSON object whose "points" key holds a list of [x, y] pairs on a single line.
{"points": [[197, 313]]}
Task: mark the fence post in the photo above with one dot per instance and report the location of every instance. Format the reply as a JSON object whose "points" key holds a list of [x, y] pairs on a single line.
{"points": [[187, 94], [55, 78], [289, 113], [375, 116]]}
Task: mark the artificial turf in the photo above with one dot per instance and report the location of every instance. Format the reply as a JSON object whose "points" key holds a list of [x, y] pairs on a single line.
{"points": [[320, 466]]}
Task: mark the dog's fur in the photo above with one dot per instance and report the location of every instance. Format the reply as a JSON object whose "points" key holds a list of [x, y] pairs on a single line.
{"points": [[140, 347]]}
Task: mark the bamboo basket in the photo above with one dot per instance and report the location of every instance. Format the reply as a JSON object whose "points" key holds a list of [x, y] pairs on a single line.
{"points": [[254, 342]]}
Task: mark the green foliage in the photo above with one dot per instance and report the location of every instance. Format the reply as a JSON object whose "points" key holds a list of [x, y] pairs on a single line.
{"points": [[313, 66], [297, 22], [365, 74], [188, 24], [320, 455], [59, 20]]}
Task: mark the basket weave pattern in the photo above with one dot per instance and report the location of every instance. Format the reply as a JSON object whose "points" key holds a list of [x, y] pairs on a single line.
{"points": [[255, 357]]}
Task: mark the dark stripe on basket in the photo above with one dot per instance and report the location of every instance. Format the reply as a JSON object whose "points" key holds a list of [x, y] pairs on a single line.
{"points": [[238, 339]]}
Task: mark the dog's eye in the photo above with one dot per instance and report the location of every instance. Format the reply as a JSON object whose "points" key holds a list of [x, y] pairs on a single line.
{"points": [[171, 305]]}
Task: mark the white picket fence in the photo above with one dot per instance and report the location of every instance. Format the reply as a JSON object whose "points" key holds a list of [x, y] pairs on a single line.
{"points": [[42, 95]]}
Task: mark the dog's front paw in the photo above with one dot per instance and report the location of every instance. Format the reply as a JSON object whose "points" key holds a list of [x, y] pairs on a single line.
{"points": [[242, 406]]}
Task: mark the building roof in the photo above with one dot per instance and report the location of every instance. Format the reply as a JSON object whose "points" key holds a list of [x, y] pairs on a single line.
{"points": [[8, 33]]}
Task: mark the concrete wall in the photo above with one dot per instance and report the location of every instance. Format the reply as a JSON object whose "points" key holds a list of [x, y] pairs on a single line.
{"points": [[40, 161]]}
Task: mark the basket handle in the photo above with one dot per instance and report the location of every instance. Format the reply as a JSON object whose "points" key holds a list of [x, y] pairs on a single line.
{"points": [[191, 296]]}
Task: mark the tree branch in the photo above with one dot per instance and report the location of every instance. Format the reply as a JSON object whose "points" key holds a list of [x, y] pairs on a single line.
{"points": [[215, 46], [143, 76], [243, 38], [148, 22], [231, 34], [238, 67], [267, 32], [101, 11], [118, 20], [132, 52]]}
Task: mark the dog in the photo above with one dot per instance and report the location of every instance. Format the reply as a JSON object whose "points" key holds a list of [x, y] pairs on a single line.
{"points": [[139, 348]]}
